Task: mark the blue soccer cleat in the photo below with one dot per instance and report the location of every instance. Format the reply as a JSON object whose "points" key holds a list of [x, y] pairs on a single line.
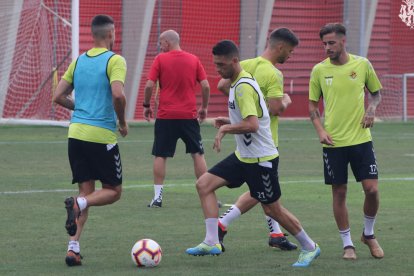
{"points": [[204, 249], [307, 257]]}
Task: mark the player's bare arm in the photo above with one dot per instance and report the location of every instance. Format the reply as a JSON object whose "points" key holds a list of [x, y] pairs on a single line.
{"points": [[324, 137], [224, 86], [374, 100], [205, 94], [250, 124], [149, 86], [278, 105], [119, 100], [219, 121], [63, 96]]}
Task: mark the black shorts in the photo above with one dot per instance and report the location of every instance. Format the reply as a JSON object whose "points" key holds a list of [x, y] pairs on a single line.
{"points": [[94, 161], [362, 160], [167, 132], [262, 178]]}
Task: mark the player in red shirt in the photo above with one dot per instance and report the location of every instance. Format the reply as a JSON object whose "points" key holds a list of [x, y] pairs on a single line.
{"points": [[178, 73]]}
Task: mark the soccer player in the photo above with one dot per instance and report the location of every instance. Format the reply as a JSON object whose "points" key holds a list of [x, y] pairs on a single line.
{"points": [[178, 73], [280, 46], [255, 160], [340, 80], [98, 77]]}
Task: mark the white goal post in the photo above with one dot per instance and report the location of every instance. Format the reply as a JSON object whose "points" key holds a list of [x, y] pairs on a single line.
{"points": [[405, 95], [41, 38]]}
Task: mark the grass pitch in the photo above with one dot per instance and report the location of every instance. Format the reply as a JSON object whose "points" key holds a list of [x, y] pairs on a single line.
{"points": [[35, 179]]}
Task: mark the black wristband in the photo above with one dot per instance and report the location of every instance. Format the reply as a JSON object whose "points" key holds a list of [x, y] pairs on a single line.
{"points": [[146, 105]]}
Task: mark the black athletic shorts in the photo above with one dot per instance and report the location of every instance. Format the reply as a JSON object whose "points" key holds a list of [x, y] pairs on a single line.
{"points": [[362, 160], [262, 178], [168, 131], [95, 161]]}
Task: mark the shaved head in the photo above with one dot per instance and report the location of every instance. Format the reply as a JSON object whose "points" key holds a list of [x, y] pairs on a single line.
{"points": [[171, 36], [169, 40]]}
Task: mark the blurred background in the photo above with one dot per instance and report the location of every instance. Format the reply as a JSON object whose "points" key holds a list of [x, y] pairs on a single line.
{"points": [[41, 37]]}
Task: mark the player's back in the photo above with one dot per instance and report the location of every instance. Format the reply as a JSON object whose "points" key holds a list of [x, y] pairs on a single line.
{"points": [[178, 74], [265, 73]]}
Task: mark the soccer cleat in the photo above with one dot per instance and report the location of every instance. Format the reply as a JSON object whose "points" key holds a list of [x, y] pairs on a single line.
{"points": [[282, 243], [73, 214], [204, 249], [221, 234], [73, 259], [157, 203], [373, 245], [349, 253], [307, 257]]}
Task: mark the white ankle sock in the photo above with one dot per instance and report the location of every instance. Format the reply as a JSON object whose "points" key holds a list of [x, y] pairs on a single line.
{"points": [[82, 203], [231, 214], [74, 246], [211, 231], [346, 237], [305, 241], [369, 225], [274, 228], [158, 191]]}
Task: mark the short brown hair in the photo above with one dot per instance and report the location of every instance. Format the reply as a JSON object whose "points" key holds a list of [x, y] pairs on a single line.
{"points": [[336, 28]]}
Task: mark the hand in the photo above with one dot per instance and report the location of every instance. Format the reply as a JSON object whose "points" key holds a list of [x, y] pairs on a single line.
{"points": [[147, 113], [220, 121], [325, 138], [368, 120], [217, 140], [123, 129], [286, 100], [202, 114]]}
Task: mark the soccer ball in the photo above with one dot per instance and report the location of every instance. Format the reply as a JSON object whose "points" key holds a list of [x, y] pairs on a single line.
{"points": [[146, 253]]}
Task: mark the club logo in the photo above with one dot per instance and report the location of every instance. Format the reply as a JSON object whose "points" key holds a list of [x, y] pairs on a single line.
{"points": [[407, 13], [353, 75]]}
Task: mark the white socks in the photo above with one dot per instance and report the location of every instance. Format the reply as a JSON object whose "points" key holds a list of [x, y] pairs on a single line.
{"points": [[211, 231], [274, 228], [369, 225], [346, 237], [74, 246], [231, 214], [158, 191], [305, 241], [82, 203]]}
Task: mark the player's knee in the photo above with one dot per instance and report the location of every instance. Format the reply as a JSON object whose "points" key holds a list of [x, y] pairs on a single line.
{"points": [[202, 186], [371, 191], [116, 193]]}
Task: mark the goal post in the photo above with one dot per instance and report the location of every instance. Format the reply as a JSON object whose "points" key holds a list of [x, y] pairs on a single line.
{"points": [[36, 51], [405, 94]]}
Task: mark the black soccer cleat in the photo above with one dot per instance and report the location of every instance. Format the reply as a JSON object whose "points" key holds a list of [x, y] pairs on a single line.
{"points": [[156, 203], [73, 259], [73, 214], [221, 234], [282, 243]]}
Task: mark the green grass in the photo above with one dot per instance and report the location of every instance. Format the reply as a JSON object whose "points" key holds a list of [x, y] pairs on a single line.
{"points": [[34, 170]]}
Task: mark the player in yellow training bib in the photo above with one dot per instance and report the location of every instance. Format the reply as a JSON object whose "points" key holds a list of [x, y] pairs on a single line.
{"points": [[340, 80]]}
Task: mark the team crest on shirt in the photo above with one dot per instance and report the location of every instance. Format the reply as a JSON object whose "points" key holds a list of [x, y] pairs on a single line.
{"points": [[353, 75], [407, 13]]}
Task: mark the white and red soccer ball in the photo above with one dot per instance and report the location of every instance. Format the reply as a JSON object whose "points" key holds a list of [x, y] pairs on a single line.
{"points": [[146, 253]]}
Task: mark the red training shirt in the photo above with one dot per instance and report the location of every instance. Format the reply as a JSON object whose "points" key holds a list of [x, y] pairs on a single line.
{"points": [[178, 73]]}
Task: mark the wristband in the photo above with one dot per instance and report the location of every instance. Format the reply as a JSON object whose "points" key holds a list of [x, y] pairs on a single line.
{"points": [[146, 105]]}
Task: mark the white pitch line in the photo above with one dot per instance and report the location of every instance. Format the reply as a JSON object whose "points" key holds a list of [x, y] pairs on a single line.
{"points": [[182, 185], [28, 142]]}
